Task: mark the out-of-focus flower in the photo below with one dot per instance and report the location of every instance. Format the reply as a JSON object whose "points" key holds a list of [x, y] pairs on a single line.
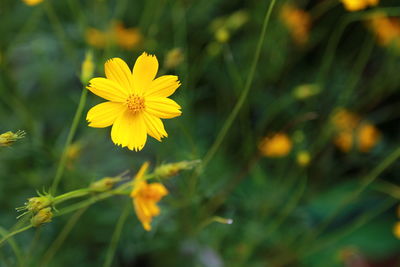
{"points": [[42, 216], [174, 58], [387, 30], [126, 38], [9, 138], [87, 68], [303, 158], [367, 135], [137, 101], [355, 5], [224, 27], [145, 197], [305, 91], [32, 2], [73, 152], [350, 131], [298, 23], [396, 230], [276, 146]]}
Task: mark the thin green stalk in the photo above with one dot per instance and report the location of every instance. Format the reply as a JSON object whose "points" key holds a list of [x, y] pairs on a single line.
{"points": [[365, 183], [14, 246], [116, 236], [232, 116], [73, 194], [55, 246], [71, 134], [15, 232]]}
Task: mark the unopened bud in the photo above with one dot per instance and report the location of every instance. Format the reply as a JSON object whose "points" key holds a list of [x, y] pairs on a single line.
{"points": [[303, 158], [305, 91], [104, 184], [35, 204], [171, 169], [87, 68], [8, 138], [42, 216]]}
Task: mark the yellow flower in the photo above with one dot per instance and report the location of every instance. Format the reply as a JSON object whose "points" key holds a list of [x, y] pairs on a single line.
{"points": [[297, 21], [174, 58], [303, 158], [350, 131], [387, 30], [367, 135], [355, 5], [276, 146], [145, 197], [136, 103], [42, 216], [396, 230], [32, 2], [126, 38]]}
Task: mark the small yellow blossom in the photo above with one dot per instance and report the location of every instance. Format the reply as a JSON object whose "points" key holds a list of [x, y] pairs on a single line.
{"points": [[303, 158], [87, 68], [355, 5], [276, 146], [8, 138], [73, 152], [350, 131], [145, 197], [137, 101], [174, 58], [387, 30], [396, 230], [37, 203], [126, 38], [32, 2], [42, 216], [367, 135], [297, 21]]}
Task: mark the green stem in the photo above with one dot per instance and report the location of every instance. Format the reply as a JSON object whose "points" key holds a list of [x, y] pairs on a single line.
{"points": [[116, 236], [71, 134], [228, 123], [14, 246], [55, 246], [15, 232], [73, 194]]}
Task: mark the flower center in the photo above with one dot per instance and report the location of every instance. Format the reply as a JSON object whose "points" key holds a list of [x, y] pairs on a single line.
{"points": [[135, 103]]}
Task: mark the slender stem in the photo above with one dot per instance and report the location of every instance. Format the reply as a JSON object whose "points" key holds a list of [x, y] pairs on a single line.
{"points": [[14, 246], [73, 194], [71, 134], [228, 123], [15, 232], [116, 236], [55, 246]]}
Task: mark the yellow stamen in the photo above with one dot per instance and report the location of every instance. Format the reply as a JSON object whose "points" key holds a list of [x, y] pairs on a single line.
{"points": [[135, 103]]}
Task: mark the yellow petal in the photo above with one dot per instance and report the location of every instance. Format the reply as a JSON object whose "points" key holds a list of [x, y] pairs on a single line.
{"points": [[162, 107], [107, 89], [104, 114], [163, 86], [143, 218], [155, 127], [129, 130], [144, 72], [117, 71]]}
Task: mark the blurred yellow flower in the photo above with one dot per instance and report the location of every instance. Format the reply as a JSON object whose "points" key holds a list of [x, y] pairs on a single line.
{"points": [[298, 23], [367, 135], [355, 5], [174, 58], [350, 131], [145, 197], [32, 2], [387, 30], [9, 138], [87, 68], [136, 103], [396, 230], [303, 158], [73, 152], [126, 38], [276, 146]]}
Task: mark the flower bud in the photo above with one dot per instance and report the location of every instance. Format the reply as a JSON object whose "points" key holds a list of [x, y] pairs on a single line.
{"points": [[171, 169], [8, 138], [87, 68], [35, 204], [43, 216], [104, 184]]}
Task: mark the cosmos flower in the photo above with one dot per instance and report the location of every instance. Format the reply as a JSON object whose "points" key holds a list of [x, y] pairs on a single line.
{"points": [[145, 197], [355, 5], [136, 101], [298, 23], [276, 146]]}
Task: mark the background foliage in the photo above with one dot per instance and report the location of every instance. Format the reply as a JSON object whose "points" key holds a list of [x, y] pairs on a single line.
{"points": [[338, 210]]}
